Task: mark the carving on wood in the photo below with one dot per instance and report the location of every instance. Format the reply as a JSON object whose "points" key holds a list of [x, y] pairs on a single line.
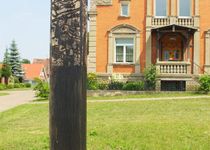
{"points": [[66, 33]]}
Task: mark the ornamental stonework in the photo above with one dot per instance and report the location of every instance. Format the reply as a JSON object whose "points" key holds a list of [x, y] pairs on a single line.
{"points": [[104, 2]]}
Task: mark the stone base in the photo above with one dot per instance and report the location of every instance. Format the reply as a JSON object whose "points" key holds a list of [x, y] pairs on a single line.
{"points": [[191, 83], [207, 69], [120, 77]]}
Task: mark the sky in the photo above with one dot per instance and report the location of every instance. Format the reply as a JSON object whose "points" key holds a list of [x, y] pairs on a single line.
{"points": [[28, 23]]}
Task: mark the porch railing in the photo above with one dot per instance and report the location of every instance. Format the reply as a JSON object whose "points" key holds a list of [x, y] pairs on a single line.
{"points": [[185, 21], [165, 67], [157, 22], [160, 21]]}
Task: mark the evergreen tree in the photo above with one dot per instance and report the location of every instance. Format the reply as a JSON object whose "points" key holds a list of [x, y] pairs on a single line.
{"points": [[26, 61], [14, 61], [6, 70]]}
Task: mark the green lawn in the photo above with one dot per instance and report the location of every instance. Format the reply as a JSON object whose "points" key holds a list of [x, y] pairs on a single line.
{"points": [[143, 125], [147, 95]]}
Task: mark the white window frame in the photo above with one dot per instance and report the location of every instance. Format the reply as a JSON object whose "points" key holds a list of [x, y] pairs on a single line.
{"points": [[155, 14], [124, 50], [121, 10], [178, 10]]}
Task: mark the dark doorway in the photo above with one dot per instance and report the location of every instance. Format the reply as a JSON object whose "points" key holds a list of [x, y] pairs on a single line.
{"points": [[173, 85]]}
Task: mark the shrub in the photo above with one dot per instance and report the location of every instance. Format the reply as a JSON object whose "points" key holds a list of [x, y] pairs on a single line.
{"points": [[22, 85], [2, 86], [103, 86], [17, 85], [10, 86], [42, 89], [115, 85], [92, 83], [204, 82], [27, 85], [150, 76], [133, 86]]}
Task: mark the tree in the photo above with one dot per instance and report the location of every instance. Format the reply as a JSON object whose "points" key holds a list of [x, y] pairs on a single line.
{"points": [[26, 61], [14, 61], [6, 69], [0, 74]]}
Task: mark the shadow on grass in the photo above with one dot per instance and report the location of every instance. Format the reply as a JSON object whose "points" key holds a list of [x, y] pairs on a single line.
{"points": [[40, 99], [4, 94]]}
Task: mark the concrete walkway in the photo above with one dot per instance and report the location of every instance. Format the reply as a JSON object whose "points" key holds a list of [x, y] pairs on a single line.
{"points": [[15, 98]]}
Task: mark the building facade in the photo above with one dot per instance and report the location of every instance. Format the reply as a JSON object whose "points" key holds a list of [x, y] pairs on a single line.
{"points": [[127, 36]]}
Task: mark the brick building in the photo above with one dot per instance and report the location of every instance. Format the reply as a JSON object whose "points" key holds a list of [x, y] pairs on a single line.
{"points": [[126, 36]]}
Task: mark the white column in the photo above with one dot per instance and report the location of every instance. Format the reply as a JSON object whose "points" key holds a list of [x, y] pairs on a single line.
{"points": [[137, 55], [91, 64], [196, 64], [207, 52]]}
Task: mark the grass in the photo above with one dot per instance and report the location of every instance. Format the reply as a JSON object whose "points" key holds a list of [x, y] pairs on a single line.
{"points": [[142, 125], [3, 94], [147, 95], [18, 89]]}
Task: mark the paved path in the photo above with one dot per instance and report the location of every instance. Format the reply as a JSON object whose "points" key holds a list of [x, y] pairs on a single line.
{"points": [[15, 98]]}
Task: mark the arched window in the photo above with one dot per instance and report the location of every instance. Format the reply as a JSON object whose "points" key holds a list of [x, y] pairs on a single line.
{"points": [[124, 47]]}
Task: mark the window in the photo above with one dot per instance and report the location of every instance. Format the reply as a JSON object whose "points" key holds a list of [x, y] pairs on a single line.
{"points": [[124, 50], [124, 9], [160, 8], [184, 8]]}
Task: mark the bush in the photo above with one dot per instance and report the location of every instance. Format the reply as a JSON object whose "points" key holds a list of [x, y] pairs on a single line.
{"points": [[2, 86], [22, 85], [133, 86], [92, 83], [17, 85], [115, 85], [150, 76], [103, 86], [10, 86], [27, 85], [42, 89], [204, 82]]}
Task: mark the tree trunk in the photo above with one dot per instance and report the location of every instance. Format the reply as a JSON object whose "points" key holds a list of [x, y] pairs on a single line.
{"points": [[6, 80], [68, 75]]}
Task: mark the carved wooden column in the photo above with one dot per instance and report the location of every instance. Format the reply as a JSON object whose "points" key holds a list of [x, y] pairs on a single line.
{"points": [[68, 75]]}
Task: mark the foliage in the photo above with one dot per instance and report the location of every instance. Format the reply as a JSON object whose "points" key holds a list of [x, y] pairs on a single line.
{"points": [[19, 85], [204, 82], [6, 69], [27, 85], [92, 83], [2, 86], [115, 85], [14, 61], [42, 88], [0, 72], [134, 86], [10, 86], [25, 61], [103, 85], [150, 76]]}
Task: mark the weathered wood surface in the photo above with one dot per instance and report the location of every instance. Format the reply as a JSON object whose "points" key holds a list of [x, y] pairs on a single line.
{"points": [[68, 75]]}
